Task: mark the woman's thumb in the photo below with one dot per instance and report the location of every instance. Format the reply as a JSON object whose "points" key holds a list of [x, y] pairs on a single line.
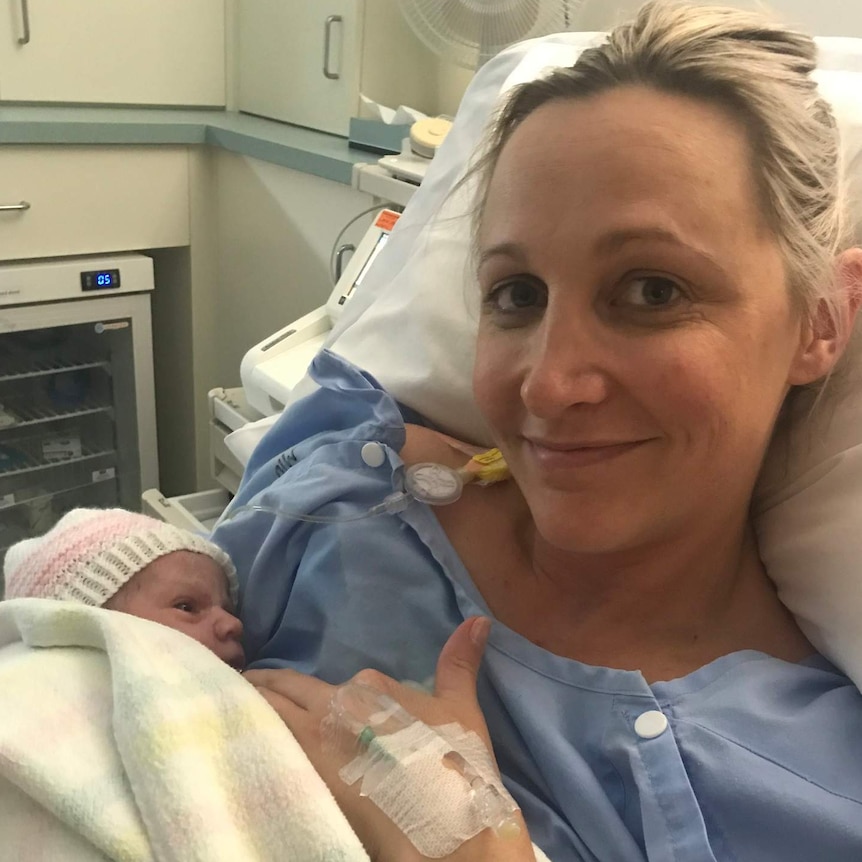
{"points": [[460, 658]]}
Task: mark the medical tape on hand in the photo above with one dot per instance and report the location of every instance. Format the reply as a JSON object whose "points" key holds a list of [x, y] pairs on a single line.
{"points": [[438, 785]]}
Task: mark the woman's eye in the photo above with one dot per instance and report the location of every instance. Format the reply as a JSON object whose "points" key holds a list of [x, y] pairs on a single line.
{"points": [[652, 291], [517, 295]]}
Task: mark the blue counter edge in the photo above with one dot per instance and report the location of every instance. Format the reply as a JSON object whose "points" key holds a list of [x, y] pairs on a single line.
{"points": [[306, 150]]}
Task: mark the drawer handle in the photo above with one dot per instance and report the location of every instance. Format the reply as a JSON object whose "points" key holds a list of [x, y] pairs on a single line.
{"points": [[24, 205], [327, 40], [25, 18]]}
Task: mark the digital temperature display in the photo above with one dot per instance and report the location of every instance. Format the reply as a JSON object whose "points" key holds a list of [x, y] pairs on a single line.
{"points": [[100, 279]]}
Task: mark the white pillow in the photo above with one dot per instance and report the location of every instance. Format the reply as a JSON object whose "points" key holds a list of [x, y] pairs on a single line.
{"points": [[808, 512], [413, 327]]}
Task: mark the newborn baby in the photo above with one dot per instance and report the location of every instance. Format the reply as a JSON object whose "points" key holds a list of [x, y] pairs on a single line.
{"points": [[128, 562]]}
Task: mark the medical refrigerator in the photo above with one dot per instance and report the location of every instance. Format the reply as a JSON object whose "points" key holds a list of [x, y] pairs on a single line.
{"points": [[77, 405]]}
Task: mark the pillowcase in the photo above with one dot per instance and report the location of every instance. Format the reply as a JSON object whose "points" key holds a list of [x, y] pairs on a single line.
{"points": [[808, 506], [413, 327]]}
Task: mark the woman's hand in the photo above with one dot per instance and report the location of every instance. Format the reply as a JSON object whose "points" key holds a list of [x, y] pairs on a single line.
{"points": [[303, 702]]}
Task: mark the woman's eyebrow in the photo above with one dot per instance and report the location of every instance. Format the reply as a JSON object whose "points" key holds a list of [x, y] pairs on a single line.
{"points": [[503, 249], [616, 239], [609, 243]]}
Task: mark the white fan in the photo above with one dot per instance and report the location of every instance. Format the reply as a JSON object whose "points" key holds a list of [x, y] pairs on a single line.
{"points": [[469, 32]]}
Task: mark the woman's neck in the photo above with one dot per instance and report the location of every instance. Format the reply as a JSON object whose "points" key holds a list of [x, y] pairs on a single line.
{"points": [[669, 608], [666, 609]]}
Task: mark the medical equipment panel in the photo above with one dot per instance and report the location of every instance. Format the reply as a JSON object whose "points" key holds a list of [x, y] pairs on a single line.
{"points": [[272, 368]]}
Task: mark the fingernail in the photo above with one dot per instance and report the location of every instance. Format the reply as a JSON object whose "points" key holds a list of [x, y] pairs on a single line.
{"points": [[479, 630]]}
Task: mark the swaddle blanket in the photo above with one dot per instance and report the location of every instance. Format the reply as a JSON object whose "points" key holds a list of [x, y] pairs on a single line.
{"points": [[122, 739]]}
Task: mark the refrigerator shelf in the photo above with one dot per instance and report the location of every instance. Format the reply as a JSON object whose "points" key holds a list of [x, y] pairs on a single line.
{"points": [[54, 366], [7, 505], [31, 414], [30, 458]]}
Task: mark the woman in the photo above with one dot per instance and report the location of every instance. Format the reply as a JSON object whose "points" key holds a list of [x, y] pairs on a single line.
{"points": [[662, 257]]}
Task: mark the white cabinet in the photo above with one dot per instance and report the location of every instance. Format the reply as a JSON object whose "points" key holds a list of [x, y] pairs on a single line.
{"points": [[298, 61], [87, 200], [158, 52], [307, 61]]}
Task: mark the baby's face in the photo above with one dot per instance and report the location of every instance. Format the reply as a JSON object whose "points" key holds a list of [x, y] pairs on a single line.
{"points": [[187, 592]]}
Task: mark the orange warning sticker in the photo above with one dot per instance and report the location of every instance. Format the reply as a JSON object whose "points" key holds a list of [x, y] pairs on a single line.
{"points": [[386, 220]]}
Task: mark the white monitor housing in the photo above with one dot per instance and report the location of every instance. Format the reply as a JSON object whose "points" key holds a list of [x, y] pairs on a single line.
{"points": [[273, 367]]}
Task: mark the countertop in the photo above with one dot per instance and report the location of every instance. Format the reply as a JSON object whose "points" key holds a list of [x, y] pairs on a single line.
{"points": [[294, 147]]}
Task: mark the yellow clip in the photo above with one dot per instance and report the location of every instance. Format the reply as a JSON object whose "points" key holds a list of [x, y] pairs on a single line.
{"points": [[487, 468]]}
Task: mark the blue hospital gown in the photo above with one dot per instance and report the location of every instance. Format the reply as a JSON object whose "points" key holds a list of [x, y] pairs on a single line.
{"points": [[760, 759]]}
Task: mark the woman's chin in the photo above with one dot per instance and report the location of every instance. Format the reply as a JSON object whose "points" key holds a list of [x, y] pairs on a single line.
{"points": [[590, 532]]}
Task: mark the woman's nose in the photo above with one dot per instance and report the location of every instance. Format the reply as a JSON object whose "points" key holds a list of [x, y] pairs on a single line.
{"points": [[564, 368]]}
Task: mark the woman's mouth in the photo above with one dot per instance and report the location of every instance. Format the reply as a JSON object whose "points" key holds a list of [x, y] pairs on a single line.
{"points": [[552, 455]]}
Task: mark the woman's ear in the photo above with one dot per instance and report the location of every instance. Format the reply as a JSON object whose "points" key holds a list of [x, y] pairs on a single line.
{"points": [[826, 334]]}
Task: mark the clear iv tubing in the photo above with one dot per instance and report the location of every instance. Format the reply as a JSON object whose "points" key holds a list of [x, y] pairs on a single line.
{"points": [[394, 503], [426, 482]]}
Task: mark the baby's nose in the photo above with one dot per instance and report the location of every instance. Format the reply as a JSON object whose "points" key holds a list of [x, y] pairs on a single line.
{"points": [[228, 627]]}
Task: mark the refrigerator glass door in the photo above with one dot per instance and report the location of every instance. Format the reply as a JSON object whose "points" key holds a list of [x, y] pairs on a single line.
{"points": [[69, 423]]}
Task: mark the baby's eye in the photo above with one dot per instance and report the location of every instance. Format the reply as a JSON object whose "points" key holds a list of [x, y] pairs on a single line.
{"points": [[651, 291], [186, 607], [519, 294]]}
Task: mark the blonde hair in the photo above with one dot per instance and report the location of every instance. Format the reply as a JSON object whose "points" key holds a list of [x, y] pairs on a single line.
{"points": [[762, 74]]}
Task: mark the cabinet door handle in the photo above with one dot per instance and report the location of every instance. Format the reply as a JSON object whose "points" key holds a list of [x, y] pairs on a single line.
{"points": [[327, 40], [25, 18], [24, 205]]}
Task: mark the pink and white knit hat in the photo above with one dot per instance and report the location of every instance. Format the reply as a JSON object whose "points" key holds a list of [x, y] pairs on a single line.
{"points": [[90, 553]]}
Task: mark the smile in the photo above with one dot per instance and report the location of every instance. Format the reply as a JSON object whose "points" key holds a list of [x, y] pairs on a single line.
{"points": [[553, 456]]}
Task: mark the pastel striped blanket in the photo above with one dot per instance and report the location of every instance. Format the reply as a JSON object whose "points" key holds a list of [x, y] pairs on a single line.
{"points": [[121, 739]]}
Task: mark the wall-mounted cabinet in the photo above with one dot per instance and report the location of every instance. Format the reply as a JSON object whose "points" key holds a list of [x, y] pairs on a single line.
{"points": [[308, 62], [161, 52]]}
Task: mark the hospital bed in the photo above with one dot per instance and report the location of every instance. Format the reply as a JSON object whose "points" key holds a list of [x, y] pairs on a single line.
{"points": [[410, 322]]}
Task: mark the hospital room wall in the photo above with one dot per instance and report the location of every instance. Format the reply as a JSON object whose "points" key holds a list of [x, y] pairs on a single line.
{"points": [[274, 232]]}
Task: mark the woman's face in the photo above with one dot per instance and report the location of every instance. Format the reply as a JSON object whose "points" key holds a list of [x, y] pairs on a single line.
{"points": [[637, 337]]}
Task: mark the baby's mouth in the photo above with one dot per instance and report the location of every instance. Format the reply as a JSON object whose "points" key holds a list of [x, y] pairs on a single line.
{"points": [[237, 661]]}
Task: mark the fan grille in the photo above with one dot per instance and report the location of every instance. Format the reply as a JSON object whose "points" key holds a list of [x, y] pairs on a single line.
{"points": [[469, 32]]}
